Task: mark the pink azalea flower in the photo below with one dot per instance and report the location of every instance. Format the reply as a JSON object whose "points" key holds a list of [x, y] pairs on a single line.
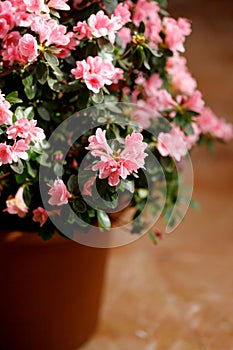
{"points": [[5, 154], [98, 24], [4, 28], [59, 193], [58, 4], [40, 215], [80, 70], [122, 11], [98, 144], [5, 113], [121, 164], [176, 32], [210, 123], [172, 144], [18, 150], [145, 10], [28, 47], [101, 25], [125, 36], [181, 79], [27, 130], [194, 102], [96, 72], [87, 188], [192, 139], [82, 30], [17, 205], [36, 6]]}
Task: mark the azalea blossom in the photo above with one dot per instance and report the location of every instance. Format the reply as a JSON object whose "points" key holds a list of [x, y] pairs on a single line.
{"points": [[18, 150], [28, 47], [96, 72], [172, 144], [40, 215], [87, 188], [116, 165], [16, 205], [175, 32], [5, 113], [208, 122], [5, 154], [58, 192], [27, 130]]}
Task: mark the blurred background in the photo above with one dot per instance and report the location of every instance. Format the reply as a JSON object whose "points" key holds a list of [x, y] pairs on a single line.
{"points": [[178, 295]]}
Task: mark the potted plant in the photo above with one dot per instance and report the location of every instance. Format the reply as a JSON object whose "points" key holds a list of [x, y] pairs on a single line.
{"points": [[98, 112]]}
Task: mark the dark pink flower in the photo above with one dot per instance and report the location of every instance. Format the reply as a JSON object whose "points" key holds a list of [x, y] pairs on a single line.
{"points": [[40, 215]]}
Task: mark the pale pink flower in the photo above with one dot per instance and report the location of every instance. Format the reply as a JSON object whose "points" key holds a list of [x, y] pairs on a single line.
{"points": [[98, 144], [27, 130], [122, 11], [125, 36], [101, 25], [94, 82], [120, 164], [181, 79], [50, 32], [5, 154], [87, 188], [192, 139], [96, 72], [17, 205], [82, 30], [36, 6], [210, 123], [18, 150], [172, 144], [40, 215], [134, 151], [59, 193], [145, 10], [28, 47], [81, 69], [152, 32], [5, 113], [175, 32], [194, 102], [58, 4], [98, 24]]}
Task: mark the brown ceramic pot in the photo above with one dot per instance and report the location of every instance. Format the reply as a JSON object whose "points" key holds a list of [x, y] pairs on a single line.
{"points": [[50, 292]]}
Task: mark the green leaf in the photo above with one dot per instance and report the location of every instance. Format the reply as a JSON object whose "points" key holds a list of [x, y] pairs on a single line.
{"points": [[79, 206], [12, 98], [17, 167], [42, 73], [141, 28], [29, 87], [31, 171], [153, 237], [103, 220], [43, 113], [51, 59], [98, 98], [128, 185], [29, 112], [110, 5], [46, 232], [72, 183]]}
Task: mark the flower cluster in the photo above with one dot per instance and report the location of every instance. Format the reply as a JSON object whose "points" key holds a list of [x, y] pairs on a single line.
{"points": [[58, 58]]}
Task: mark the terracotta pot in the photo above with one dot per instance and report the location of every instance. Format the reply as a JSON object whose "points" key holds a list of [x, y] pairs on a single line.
{"points": [[50, 292]]}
